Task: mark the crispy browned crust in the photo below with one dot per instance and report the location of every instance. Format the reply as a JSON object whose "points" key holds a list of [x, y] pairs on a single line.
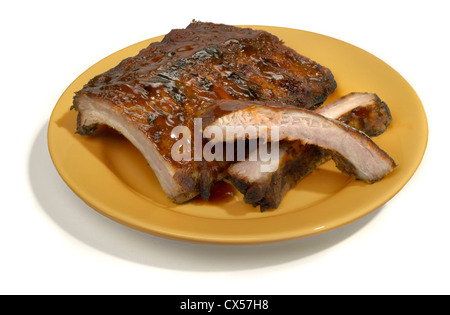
{"points": [[298, 162], [372, 119], [168, 83]]}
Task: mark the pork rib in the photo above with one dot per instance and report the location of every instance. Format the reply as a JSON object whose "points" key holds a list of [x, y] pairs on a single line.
{"points": [[364, 111], [267, 189], [168, 83], [353, 151]]}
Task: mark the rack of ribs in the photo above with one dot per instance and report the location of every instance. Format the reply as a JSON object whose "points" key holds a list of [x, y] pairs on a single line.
{"points": [[171, 82]]}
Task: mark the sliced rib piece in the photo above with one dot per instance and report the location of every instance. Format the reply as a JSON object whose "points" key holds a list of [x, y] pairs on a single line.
{"points": [[353, 151], [364, 111], [267, 189], [168, 83]]}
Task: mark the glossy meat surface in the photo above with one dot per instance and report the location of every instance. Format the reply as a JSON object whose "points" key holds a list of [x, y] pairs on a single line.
{"points": [[364, 111], [353, 151], [170, 82]]}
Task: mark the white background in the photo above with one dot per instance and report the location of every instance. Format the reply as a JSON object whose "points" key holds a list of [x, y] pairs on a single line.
{"points": [[52, 243]]}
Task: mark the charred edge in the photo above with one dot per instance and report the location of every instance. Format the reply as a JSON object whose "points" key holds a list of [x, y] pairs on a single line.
{"points": [[207, 179], [345, 166], [185, 180], [84, 130], [373, 119], [201, 183], [269, 196], [348, 168], [293, 171]]}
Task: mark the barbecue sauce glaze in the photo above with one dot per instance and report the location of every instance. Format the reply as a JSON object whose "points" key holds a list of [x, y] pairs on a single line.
{"points": [[171, 82]]}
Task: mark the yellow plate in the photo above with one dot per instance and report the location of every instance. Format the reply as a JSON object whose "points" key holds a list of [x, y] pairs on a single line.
{"points": [[111, 176]]}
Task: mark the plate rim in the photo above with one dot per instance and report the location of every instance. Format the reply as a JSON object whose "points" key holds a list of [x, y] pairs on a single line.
{"points": [[228, 240]]}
